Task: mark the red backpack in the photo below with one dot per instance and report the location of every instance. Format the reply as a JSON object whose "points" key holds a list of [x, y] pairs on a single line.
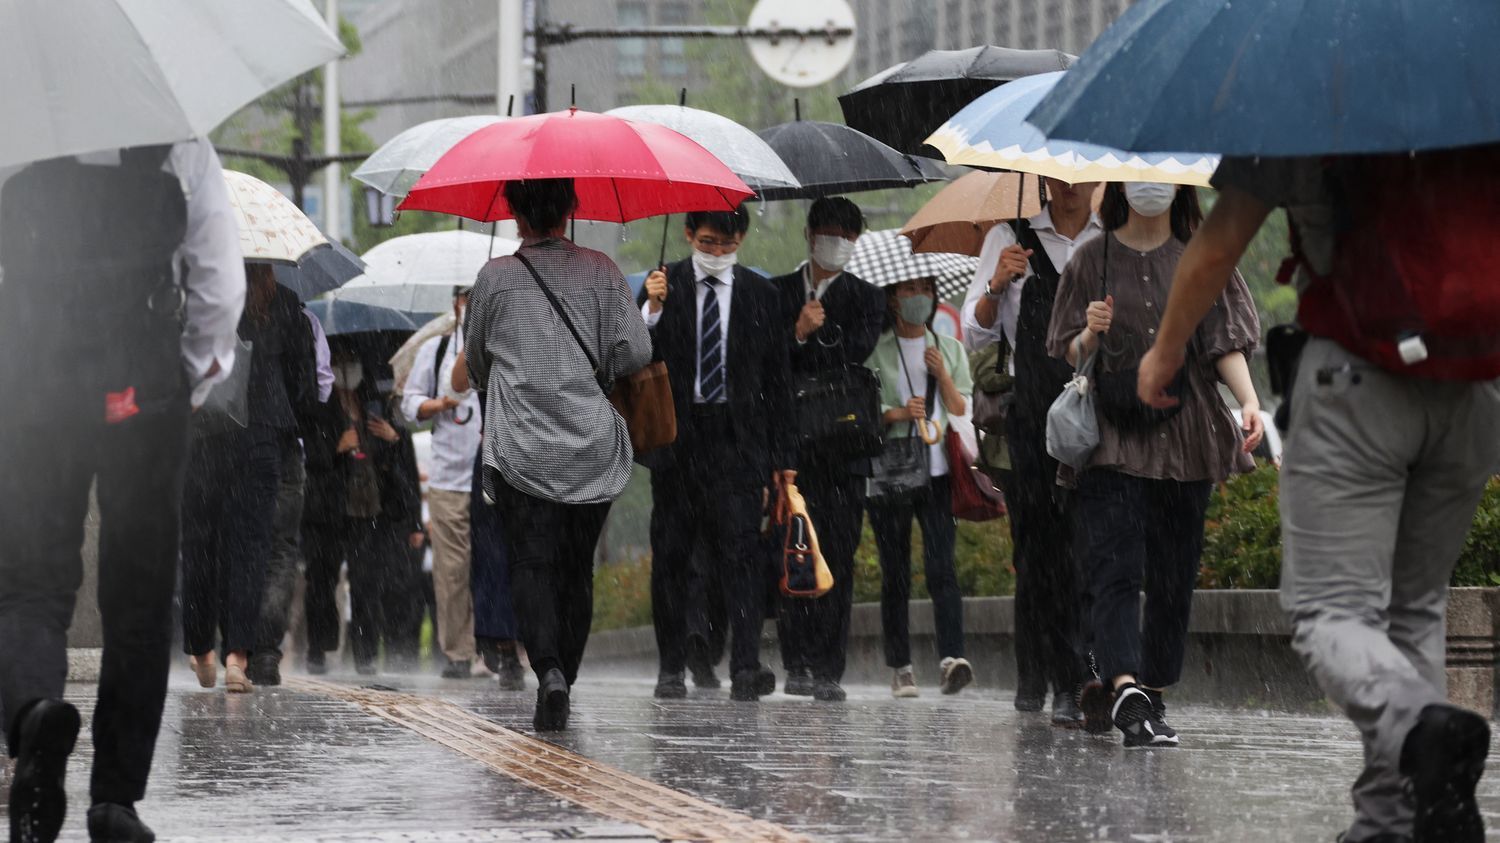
{"points": [[1415, 285]]}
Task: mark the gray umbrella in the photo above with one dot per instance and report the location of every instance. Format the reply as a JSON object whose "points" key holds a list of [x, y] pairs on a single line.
{"points": [[829, 158]]}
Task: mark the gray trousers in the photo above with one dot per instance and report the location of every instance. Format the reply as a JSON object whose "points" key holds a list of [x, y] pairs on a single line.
{"points": [[1381, 479], [286, 550]]}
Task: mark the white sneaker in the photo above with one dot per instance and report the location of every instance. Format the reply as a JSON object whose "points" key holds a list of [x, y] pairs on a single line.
{"points": [[956, 674], [904, 684]]}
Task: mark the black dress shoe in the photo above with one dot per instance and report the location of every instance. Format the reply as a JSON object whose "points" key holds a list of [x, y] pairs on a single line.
{"points": [[463, 669], [1443, 758], [705, 677], [43, 737], [1065, 712], [1030, 695], [317, 664], [551, 703], [799, 683], [746, 685], [765, 681], [670, 686], [512, 674], [111, 823], [827, 690], [264, 669]]}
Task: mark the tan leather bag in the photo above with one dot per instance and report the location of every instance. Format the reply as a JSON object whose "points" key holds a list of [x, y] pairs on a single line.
{"points": [[644, 401], [804, 572]]}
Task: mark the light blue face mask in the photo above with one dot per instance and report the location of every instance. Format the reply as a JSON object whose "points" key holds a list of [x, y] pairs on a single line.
{"points": [[916, 310]]}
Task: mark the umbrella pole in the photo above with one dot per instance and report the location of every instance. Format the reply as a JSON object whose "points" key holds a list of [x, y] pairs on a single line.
{"points": [[666, 222], [1020, 197], [493, 227]]}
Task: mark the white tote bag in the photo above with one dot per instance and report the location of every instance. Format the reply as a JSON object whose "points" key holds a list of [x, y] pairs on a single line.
{"points": [[1072, 425]]}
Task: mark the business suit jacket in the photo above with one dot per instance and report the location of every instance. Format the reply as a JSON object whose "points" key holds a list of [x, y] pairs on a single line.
{"points": [[855, 315], [755, 370]]}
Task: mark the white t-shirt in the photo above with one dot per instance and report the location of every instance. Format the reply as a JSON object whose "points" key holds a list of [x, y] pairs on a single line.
{"points": [[913, 356]]}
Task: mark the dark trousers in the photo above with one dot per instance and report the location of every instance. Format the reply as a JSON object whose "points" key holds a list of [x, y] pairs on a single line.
{"points": [[709, 505], [286, 549], [1049, 646], [489, 570], [44, 501], [384, 597], [814, 634], [1136, 534], [551, 549], [933, 510], [227, 513]]}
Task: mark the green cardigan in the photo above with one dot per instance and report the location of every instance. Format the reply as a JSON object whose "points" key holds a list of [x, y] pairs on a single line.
{"points": [[886, 362]]}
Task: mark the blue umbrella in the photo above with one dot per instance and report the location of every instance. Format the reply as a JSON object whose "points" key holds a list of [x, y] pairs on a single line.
{"points": [[324, 268], [345, 317], [992, 132], [1286, 77]]}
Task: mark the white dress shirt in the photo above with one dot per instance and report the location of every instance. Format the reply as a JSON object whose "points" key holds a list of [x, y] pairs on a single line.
{"points": [[1059, 249], [215, 282], [723, 289], [819, 289], [453, 444], [321, 356]]}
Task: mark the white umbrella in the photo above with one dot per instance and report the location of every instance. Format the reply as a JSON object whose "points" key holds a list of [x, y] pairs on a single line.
{"points": [[416, 273], [87, 75], [741, 150], [271, 227], [400, 161]]}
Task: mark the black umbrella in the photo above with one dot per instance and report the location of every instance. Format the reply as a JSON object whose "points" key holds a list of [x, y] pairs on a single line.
{"points": [[325, 268], [347, 317], [829, 158], [903, 105]]}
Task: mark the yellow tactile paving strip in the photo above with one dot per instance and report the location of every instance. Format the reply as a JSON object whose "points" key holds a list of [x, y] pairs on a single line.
{"points": [[669, 814]]}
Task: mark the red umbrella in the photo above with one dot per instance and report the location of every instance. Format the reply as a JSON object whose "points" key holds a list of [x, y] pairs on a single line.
{"points": [[622, 170]]}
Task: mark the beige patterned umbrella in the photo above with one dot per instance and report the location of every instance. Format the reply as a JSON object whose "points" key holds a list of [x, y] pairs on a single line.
{"points": [[272, 229]]}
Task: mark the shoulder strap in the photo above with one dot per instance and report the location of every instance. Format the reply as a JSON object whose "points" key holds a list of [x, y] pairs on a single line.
{"points": [[437, 363], [562, 314], [1041, 262]]}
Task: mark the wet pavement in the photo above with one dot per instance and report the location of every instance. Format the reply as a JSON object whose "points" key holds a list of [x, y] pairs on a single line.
{"points": [[287, 764]]}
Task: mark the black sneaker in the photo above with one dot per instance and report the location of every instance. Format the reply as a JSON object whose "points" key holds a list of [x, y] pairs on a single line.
{"points": [[551, 703], [1442, 759], [1065, 713], [317, 664], [111, 823], [43, 737], [1030, 694], [705, 677], [489, 653], [670, 686], [1136, 717], [827, 690], [765, 681], [264, 669], [799, 682]]}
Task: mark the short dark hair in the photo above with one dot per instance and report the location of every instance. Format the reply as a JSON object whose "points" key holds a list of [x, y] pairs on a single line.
{"points": [[727, 223], [836, 212], [545, 204], [1186, 212]]}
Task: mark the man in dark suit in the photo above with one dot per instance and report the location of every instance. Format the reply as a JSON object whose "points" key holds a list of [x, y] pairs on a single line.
{"points": [[836, 319], [717, 326]]}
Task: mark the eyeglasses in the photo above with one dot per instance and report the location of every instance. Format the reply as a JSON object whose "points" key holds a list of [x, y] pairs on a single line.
{"points": [[708, 243]]}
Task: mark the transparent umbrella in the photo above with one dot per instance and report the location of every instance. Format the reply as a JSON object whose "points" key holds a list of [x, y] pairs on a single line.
{"points": [[400, 161], [87, 75], [418, 272]]}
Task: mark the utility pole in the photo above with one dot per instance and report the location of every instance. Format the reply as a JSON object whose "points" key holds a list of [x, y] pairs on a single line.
{"points": [[511, 55], [332, 134]]}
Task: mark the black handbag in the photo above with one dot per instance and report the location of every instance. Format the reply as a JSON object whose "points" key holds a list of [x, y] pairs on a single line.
{"points": [[838, 412], [903, 468], [1115, 390]]}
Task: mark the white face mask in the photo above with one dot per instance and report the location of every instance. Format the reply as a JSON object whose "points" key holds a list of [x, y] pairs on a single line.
{"points": [[831, 252], [1149, 198], [714, 265], [348, 376]]}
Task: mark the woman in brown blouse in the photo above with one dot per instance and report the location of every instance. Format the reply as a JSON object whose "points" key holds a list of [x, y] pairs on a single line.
{"points": [[1142, 497]]}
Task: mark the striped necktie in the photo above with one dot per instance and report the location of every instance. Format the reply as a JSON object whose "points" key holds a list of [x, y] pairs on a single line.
{"points": [[711, 346]]}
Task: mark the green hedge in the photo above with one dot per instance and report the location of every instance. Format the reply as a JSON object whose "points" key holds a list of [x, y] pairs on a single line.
{"points": [[1241, 549]]}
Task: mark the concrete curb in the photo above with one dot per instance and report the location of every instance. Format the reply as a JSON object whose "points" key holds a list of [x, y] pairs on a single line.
{"points": [[1239, 652]]}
